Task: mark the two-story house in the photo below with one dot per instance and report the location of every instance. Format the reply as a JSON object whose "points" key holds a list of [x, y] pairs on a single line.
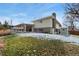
{"points": [[47, 24]]}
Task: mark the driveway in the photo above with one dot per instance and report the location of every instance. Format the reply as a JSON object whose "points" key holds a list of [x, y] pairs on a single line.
{"points": [[70, 38]]}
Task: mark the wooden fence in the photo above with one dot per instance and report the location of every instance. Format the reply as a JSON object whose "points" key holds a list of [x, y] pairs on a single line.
{"points": [[74, 32]]}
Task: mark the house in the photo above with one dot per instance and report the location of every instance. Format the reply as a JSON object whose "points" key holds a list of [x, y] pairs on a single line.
{"points": [[23, 28], [47, 24]]}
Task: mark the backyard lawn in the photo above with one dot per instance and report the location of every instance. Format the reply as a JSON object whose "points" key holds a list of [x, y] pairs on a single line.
{"points": [[29, 46]]}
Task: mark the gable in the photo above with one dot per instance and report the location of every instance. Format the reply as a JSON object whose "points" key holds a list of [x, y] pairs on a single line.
{"points": [[45, 22]]}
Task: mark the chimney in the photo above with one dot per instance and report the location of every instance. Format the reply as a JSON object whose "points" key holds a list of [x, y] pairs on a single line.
{"points": [[54, 15], [53, 20]]}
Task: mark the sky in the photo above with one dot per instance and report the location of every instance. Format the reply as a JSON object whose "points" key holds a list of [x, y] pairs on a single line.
{"points": [[27, 12]]}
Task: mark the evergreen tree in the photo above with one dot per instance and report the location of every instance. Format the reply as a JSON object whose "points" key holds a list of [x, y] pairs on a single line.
{"points": [[1, 25], [6, 25]]}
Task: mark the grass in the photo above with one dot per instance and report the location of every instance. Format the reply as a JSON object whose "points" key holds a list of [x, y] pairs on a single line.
{"points": [[29, 46]]}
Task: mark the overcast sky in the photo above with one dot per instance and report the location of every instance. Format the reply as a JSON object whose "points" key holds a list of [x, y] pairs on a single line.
{"points": [[25, 13]]}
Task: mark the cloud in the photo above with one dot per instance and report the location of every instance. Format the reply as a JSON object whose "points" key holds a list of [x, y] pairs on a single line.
{"points": [[16, 18], [21, 17], [3, 18], [19, 14], [25, 13], [8, 19]]}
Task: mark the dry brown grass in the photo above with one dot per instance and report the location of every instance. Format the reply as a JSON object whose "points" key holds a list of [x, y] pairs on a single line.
{"points": [[5, 32], [31, 46]]}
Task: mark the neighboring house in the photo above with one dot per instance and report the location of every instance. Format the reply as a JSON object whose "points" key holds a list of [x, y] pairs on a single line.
{"points": [[47, 24], [23, 28]]}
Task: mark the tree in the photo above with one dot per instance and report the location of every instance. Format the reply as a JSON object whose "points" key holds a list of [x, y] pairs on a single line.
{"points": [[6, 25], [0, 25], [71, 15]]}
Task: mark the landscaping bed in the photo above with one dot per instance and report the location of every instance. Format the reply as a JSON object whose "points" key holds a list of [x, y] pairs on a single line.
{"points": [[24, 46]]}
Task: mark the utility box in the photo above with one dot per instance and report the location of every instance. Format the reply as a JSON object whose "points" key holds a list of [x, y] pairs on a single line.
{"points": [[64, 31]]}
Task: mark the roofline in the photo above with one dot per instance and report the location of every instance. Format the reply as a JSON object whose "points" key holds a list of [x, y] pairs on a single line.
{"points": [[58, 22], [24, 24], [44, 18]]}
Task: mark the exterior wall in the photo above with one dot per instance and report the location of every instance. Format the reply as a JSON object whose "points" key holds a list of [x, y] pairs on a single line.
{"points": [[43, 23], [42, 30], [46, 24], [55, 31], [57, 26], [64, 31], [18, 27], [52, 30]]}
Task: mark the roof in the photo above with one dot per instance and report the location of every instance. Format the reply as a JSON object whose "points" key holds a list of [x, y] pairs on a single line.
{"points": [[45, 18], [23, 24]]}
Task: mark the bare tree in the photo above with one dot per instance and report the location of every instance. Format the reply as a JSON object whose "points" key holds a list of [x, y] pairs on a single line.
{"points": [[71, 15]]}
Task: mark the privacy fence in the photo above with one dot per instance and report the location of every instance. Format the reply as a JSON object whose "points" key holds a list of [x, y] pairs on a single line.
{"points": [[74, 32]]}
